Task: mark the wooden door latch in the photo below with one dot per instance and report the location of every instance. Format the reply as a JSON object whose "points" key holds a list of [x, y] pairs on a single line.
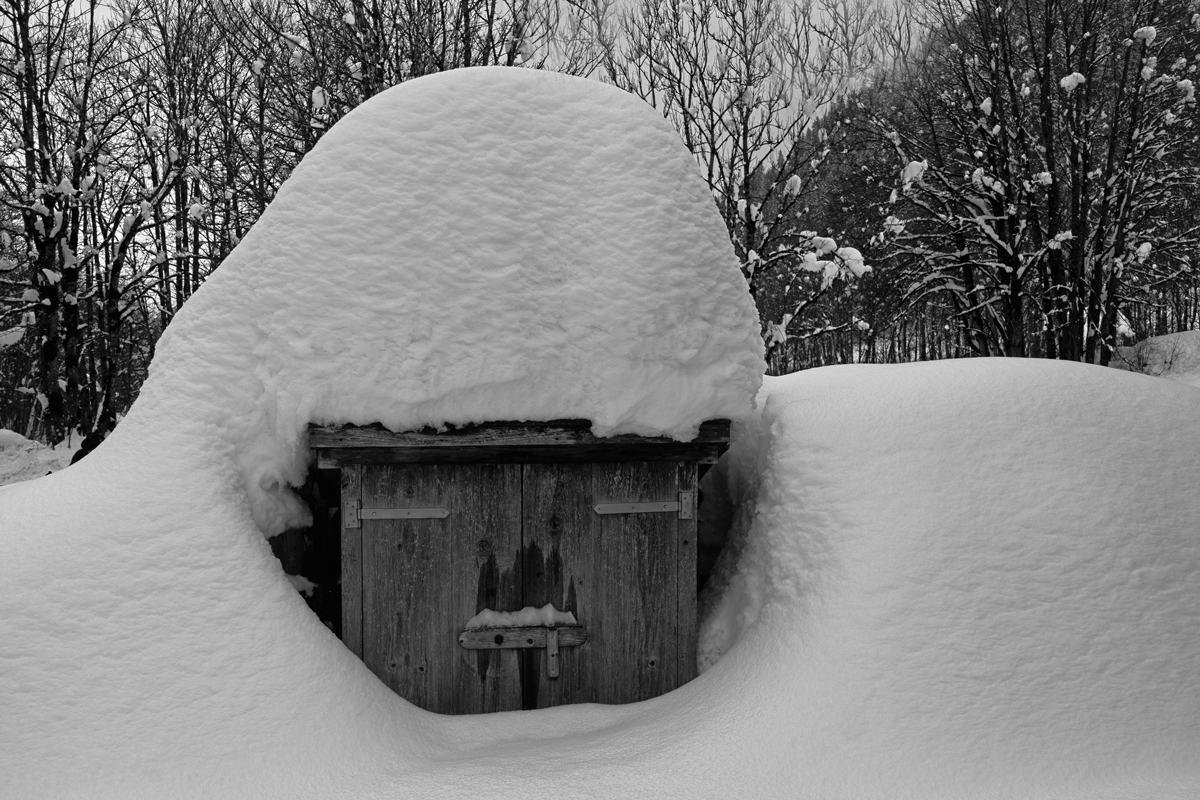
{"points": [[523, 638]]}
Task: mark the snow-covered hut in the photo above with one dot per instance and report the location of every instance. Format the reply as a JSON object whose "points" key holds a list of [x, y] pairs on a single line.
{"points": [[971, 579], [532, 265]]}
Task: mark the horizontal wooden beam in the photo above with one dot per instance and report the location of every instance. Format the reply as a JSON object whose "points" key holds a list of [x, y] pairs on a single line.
{"points": [[334, 457], [555, 433]]}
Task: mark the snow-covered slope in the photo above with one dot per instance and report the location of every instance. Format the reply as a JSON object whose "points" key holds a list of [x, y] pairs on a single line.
{"points": [[967, 579], [971, 579], [22, 459], [985, 575], [1175, 356]]}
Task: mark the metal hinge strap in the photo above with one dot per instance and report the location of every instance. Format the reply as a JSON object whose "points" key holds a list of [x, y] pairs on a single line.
{"points": [[353, 514], [685, 505]]}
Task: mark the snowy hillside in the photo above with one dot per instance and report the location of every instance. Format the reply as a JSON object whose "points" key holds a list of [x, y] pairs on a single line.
{"points": [[22, 459], [963, 579], [1175, 356]]}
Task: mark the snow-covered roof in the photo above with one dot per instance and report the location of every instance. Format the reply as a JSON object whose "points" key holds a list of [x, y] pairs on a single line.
{"points": [[481, 244]]}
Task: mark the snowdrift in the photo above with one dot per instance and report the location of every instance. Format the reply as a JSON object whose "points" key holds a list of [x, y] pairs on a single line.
{"points": [[1175, 356], [967, 580], [22, 459]]}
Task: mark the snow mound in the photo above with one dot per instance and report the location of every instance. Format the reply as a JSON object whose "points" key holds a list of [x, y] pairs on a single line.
{"points": [[1175, 356], [985, 573], [480, 244], [966, 579], [22, 459]]}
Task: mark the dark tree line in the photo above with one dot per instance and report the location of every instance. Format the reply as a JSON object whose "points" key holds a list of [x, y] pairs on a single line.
{"points": [[142, 140], [899, 181], [1029, 179]]}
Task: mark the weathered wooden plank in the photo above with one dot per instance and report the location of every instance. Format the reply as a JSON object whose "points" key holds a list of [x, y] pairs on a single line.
{"points": [[425, 578], [639, 570], [686, 587], [351, 572], [552, 653], [556, 433], [520, 638], [486, 574], [396, 583], [332, 457], [617, 574], [559, 550]]}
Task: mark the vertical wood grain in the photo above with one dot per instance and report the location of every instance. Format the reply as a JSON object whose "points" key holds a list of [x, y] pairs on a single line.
{"points": [[686, 556], [351, 572], [521, 536], [485, 573], [398, 599], [618, 574], [640, 563], [424, 578], [560, 549]]}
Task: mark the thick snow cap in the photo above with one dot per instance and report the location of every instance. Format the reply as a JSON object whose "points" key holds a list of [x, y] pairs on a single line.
{"points": [[482, 244]]}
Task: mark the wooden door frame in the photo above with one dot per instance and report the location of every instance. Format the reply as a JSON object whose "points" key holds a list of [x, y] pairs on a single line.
{"points": [[349, 448]]}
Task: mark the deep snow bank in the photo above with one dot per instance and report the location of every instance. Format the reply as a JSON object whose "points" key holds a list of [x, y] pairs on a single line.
{"points": [[22, 459], [987, 571], [972, 579], [1175, 356]]}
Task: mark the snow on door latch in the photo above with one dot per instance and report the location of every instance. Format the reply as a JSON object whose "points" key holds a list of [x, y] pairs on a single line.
{"points": [[353, 514], [545, 627], [685, 506]]}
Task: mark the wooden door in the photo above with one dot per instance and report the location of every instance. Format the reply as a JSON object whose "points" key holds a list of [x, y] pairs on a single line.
{"points": [[518, 536], [629, 579], [423, 578]]}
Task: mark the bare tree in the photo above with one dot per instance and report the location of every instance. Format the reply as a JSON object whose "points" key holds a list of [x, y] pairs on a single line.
{"points": [[1045, 148], [67, 94], [748, 84]]}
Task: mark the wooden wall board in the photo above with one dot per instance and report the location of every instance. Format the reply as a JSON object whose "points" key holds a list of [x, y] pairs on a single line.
{"points": [[619, 575], [351, 572], [486, 573], [686, 632], [638, 561], [423, 578], [558, 533]]}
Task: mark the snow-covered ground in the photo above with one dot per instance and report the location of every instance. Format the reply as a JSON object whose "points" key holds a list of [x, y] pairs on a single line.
{"points": [[22, 459], [967, 579], [970, 579], [1175, 356]]}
